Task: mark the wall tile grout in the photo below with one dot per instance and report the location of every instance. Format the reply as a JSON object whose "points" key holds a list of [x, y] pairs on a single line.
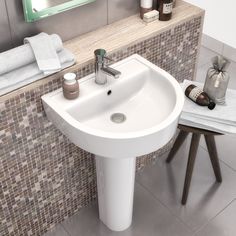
{"points": [[204, 225], [210, 220]]}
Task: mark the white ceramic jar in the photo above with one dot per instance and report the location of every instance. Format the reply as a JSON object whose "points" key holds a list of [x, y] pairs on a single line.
{"points": [[70, 86]]}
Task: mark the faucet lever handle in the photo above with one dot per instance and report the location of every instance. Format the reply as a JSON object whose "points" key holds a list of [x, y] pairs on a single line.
{"points": [[100, 55], [108, 58]]}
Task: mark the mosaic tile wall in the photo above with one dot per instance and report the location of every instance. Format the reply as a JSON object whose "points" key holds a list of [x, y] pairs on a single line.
{"points": [[43, 177]]}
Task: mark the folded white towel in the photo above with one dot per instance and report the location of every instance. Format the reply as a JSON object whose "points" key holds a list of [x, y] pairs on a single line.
{"points": [[30, 73], [208, 125], [45, 53], [23, 55], [220, 121]]}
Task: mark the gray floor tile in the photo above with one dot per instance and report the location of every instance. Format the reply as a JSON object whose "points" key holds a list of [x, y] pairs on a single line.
{"points": [[226, 148], [223, 224], [206, 198], [150, 218], [57, 231]]}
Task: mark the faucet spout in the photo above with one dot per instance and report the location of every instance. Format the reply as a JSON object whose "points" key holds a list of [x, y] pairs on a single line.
{"points": [[101, 71], [112, 72]]}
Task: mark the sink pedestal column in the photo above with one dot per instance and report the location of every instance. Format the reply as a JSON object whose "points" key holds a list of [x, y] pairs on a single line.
{"points": [[115, 184]]}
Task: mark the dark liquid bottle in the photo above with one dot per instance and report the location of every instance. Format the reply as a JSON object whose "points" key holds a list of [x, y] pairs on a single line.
{"points": [[198, 96], [165, 9]]}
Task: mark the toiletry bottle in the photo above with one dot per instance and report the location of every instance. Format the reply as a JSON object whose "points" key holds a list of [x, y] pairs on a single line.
{"points": [[145, 6], [198, 96], [165, 9], [70, 86]]}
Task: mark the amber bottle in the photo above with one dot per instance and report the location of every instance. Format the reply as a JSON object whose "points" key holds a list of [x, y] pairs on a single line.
{"points": [[198, 96], [165, 9]]}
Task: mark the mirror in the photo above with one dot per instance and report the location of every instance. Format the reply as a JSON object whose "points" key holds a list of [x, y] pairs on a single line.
{"points": [[38, 9]]}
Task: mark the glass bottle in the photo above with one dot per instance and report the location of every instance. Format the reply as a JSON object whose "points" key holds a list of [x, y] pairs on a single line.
{"points": [[165, 9], [199, 96]]}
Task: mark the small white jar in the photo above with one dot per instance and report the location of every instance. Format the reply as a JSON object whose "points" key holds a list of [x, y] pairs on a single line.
{"points": [[70, 86]]}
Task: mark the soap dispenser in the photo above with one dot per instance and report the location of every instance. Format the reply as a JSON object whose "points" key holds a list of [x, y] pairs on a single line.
{"points": [[70, 86]]}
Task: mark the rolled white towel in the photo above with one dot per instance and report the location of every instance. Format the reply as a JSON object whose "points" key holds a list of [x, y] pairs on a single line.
{"points": [[23, 55], [30, 73]]}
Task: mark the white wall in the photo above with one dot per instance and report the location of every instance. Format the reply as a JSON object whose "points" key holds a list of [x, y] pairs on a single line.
{"points": [[220, 19]]}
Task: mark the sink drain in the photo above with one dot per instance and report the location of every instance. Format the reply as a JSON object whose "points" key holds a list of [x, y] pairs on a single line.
{"points": [[118, 118]]}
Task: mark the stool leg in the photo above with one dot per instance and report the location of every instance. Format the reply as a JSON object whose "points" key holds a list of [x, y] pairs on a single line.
{"points": [[211, 146], [178, 142], [190, 165]]}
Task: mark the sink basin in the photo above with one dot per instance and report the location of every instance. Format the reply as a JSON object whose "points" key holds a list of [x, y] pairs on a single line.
{"points": [[150, 98], [125, 118]]}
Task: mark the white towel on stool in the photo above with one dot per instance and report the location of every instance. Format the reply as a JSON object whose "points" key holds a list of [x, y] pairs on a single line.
{"points": [[222, 119], [225, 113], [45, 53]]}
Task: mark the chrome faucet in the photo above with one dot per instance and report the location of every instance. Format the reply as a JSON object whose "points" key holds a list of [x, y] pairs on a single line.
{"points": [[101, 71]]}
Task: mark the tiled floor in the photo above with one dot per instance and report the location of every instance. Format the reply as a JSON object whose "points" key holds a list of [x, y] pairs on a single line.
{"points": [[211, 207]]}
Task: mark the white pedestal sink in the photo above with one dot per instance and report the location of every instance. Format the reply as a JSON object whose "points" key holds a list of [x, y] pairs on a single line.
{"points": [[125, 118], [115, 184]]}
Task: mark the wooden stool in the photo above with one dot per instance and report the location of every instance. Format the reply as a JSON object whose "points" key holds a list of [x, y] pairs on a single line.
{"points": [[211, 146]]}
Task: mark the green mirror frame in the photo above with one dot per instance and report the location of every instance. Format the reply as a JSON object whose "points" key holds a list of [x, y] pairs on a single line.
{"points": [[31, 16]]}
